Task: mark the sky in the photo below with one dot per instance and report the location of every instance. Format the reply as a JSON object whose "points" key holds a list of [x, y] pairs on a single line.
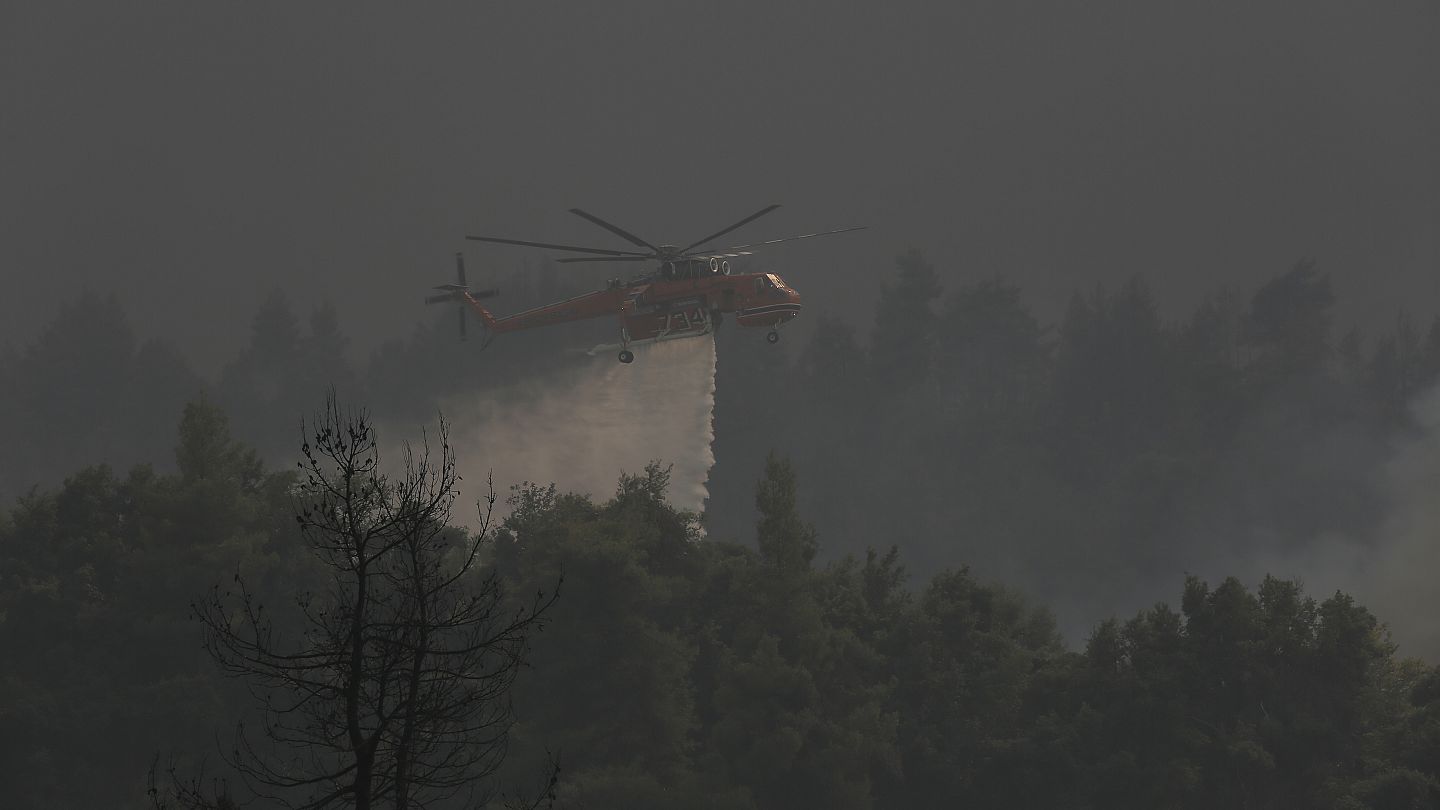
{"points": [[193, 157]]}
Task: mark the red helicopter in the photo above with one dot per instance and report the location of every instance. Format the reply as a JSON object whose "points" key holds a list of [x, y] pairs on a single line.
{"points": [[687, 296]]}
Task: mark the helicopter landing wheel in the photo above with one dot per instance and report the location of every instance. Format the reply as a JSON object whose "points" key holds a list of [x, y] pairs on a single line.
{"points": [[627, 356], [773, 337]]}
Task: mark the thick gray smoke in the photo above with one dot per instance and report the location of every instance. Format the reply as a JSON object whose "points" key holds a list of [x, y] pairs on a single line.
{"points": [[1392, 571], [582, 427], [1395, 575]]}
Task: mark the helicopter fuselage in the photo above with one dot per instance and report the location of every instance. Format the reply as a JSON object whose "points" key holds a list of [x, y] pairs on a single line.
{"points": [[669, 304], [687, 296]]}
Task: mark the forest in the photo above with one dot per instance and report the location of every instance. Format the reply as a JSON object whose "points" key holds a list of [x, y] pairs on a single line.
{"points": [[958, 557]]}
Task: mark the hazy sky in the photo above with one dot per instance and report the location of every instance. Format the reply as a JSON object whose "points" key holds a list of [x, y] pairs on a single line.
{"points": [[194, 156]]}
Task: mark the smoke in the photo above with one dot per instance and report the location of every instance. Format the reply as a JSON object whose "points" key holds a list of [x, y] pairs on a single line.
{"points": [[582, 426], [1393, 569], [1396, 574]]}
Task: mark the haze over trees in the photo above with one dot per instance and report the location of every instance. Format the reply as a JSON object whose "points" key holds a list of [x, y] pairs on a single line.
{"points": [[899, 595], [1087, 462], [389, 683], [681, 671]]}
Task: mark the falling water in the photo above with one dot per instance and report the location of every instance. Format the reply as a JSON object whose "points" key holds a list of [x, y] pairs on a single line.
{"points": [[580, 428]]}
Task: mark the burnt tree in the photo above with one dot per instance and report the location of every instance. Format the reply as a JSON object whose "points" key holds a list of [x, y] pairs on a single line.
{"points": [[393, 687]]}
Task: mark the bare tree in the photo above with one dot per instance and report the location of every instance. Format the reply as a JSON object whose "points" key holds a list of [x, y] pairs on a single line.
{"points": [[395, 691]]}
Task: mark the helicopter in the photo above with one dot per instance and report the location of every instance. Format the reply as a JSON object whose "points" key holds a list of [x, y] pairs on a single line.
{"points": [[686, 295]]}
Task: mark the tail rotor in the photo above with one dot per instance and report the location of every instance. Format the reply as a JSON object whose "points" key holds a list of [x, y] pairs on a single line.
{"points": [[459, 293]]}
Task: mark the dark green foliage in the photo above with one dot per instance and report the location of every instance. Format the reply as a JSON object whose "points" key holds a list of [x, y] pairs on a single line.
{"points": [[100, 663], [729, 676], [754, 424], [786, 543], [1399, 369], [1289, 321], [699, 671], [904, 343], [993, 360], [1241, 700], [87, 391], [800, 667], [387, 677], [970, 651], [1089, 462], [1113, 390], [681, 670], [282, 371]]}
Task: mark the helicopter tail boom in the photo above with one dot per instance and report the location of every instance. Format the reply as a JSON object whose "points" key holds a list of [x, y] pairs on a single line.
{"points": [[460, 293], [485, 317], [597, 304]]}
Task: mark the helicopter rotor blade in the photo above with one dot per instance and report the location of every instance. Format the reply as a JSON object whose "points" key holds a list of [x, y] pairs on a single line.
{"points": [[615, 229], [460, 268], [550, 246], [735, 248], [605, 259], [762, 212]]}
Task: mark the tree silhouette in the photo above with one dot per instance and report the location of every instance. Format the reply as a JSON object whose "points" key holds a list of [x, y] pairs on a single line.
{"points": [[395, 688]]}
